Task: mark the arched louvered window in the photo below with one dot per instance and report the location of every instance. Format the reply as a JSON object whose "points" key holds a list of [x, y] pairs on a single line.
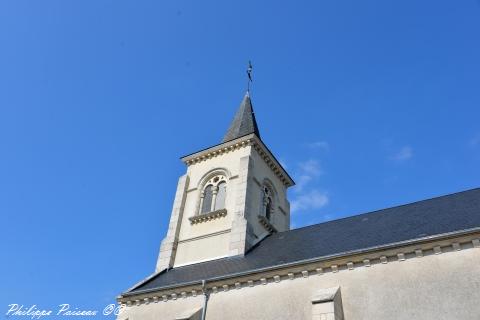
{"points": [[268, 209], [221, 193], [267, 203], [207, 199], [213, 195]]}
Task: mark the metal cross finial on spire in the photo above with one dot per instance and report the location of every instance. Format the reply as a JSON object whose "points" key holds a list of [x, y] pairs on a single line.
{"points": [[249, 74]]}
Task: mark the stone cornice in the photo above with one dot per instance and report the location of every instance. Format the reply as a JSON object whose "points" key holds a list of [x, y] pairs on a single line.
{"points": [[272, 162], [217, 150], [328, 265], [242, 142]]}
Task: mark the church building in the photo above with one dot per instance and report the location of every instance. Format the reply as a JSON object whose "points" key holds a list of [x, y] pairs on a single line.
{"points": [[230, 254]]}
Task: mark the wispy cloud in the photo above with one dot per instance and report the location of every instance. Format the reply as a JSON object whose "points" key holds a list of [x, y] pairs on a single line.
{"points": [[311, 167], [314, 199], [308, 170], [403, 154], [322, 145]]}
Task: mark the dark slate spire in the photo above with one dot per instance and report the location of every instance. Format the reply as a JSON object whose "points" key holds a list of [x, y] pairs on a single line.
{"points": [[244, 122]]}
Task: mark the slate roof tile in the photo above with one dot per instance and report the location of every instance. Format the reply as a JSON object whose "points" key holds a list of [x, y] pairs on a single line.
{"points": [[244, 121]]}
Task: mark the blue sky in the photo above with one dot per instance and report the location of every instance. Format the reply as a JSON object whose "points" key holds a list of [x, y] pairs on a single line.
{"points": [[368, 104]]}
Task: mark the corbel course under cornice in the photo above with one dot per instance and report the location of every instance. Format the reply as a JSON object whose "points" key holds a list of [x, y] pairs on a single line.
{"points": [[248, 140]]}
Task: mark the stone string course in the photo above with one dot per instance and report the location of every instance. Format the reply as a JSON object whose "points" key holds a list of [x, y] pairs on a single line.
{"points": [[349, 266]]}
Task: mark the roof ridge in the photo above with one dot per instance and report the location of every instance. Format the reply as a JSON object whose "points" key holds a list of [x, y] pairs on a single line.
{"points": [[383, 209]]}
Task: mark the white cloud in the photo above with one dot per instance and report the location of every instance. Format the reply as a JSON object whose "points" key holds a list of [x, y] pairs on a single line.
{"points": [[314, 199], [323, 145], [311, 167], [301, 182], [403, 154], [309, 170]]}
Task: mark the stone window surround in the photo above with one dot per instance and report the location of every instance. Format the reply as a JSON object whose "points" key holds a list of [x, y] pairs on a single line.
{"points": [[214, 181], [269, 183], [367, 260], [264, 222], [210, 179], [268, 194]]}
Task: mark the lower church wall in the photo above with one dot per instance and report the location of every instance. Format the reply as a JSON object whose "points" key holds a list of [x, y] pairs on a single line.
{"points": [[438, 286]]}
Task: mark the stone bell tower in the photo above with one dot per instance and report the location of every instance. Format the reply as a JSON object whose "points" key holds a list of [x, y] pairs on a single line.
{"points": [[232, 196]]}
